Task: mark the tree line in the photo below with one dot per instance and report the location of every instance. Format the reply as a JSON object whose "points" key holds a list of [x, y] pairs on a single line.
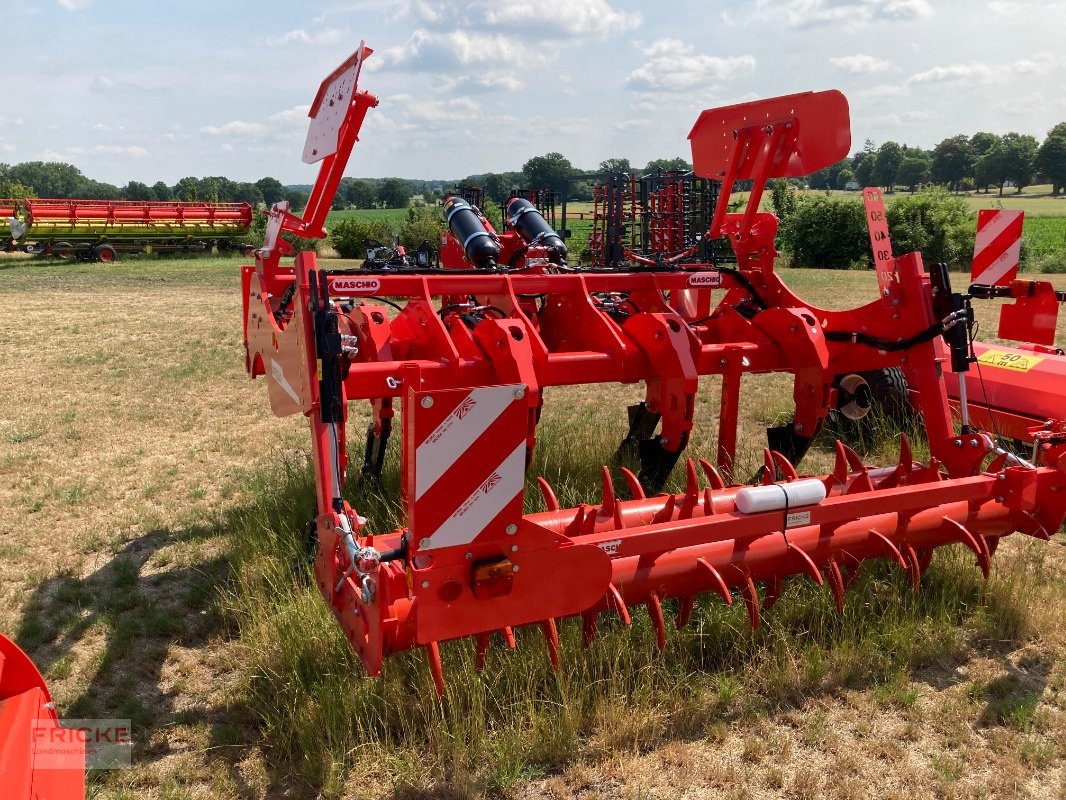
{"points": [[53, 179], [960, 162]]}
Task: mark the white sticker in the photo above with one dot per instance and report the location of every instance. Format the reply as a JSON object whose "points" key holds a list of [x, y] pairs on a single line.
{"points": [[705, 279], [356, 285], [797, 518], [611, 547]]}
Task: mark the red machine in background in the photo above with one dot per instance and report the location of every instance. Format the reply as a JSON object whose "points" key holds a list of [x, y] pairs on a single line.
{"points": [[468, 349], [97, 230]]}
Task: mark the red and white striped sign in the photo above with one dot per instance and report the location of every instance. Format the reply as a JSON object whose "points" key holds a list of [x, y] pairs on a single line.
{"points": [[469, 463], [998, 246]]}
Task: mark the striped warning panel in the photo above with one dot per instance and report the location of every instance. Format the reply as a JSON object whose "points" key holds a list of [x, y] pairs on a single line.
{"points": [[469, 463], [997, 247]]}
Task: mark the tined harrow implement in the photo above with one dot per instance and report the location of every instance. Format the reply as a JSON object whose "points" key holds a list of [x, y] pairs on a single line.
{"points": [[466, 359]]}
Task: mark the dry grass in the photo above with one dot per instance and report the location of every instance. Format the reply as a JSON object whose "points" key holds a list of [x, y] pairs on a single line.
{"points": [[134, 453]]}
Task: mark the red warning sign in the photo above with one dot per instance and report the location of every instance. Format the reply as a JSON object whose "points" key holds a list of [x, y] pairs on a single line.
{"points": [[997, 247]]}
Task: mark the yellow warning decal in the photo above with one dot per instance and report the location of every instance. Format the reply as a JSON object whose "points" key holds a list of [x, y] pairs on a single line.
{"points": [[1018, 362]]}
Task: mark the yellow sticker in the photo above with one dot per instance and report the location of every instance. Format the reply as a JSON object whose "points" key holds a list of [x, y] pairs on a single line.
{"points": [[1018, 362]]}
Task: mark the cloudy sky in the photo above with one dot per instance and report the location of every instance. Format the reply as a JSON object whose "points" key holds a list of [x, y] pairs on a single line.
{"points": [[164, 89]]}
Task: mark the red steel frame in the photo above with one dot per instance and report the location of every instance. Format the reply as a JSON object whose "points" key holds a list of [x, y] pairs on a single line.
{"points": [[468, 562]]}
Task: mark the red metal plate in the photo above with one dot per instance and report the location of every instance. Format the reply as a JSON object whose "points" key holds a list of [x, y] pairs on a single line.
{"points": [[823, 126]]}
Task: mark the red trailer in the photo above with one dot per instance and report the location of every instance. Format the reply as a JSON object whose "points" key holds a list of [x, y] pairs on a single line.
{"points": [[100, 229]]}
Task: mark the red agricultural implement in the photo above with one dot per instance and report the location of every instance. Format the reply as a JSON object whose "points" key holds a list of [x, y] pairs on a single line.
{"points": [[38, 757], [464, 353], [97, 230]]}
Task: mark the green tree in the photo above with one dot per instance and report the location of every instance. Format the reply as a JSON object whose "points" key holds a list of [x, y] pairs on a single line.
{"points": [[549, 171], [886, 164], [497, 186], [361, 193], [953, 161], [914, 169], [1013, 158], [187, 190], [844, 177], [982, 142], [50, 179], [1051, 159], [862, 164], [826, 231], [162, 191], [935, 223], [668, 165], [297, 200], [393, 193], [11, 190], [614, 165], [272, 190], [135, 190]]}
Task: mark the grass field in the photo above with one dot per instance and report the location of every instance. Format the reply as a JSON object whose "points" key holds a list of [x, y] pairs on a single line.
{"points": [[150, 504]]}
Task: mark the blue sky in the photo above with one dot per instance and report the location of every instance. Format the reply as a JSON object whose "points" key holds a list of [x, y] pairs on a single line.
{"points": [[160, 90]]}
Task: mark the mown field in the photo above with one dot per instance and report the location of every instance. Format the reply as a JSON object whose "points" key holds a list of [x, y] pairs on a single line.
{"points": [[149, 546]]}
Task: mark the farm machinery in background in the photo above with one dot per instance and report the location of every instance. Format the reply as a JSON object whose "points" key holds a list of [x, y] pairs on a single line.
{"points": [[98, 230], [458, 358]]}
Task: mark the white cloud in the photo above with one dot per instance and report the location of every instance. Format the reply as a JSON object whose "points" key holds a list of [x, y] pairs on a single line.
{"points": [[816, 13], [134, 151], [673, 65], [544, 20], [297, 116], [882, 90], [981, 71], [428, 51], [860, 63], [325, 36], [11, 121], [72, 5], [235, 128]]}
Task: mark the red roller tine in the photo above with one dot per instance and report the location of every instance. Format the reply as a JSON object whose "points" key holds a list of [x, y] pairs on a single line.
{"points": [[840, 465], [588, 627], [769, 469], [684, 611], [906, 455], [636, 491], [719, 585], [546, 492], [714, 477], [808, 565], [508, 636], [608, 506], [1031, 526], [773, 592], [655, 611], [551, 637], [435, 668], [788, 470], [836, 583], [692, 483], [925, 555], [751, 600], [614, 598], [992, 543], [961, 534], [893, 551], [666, 513], [481, 651], [854, 567], [914, 567]]}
